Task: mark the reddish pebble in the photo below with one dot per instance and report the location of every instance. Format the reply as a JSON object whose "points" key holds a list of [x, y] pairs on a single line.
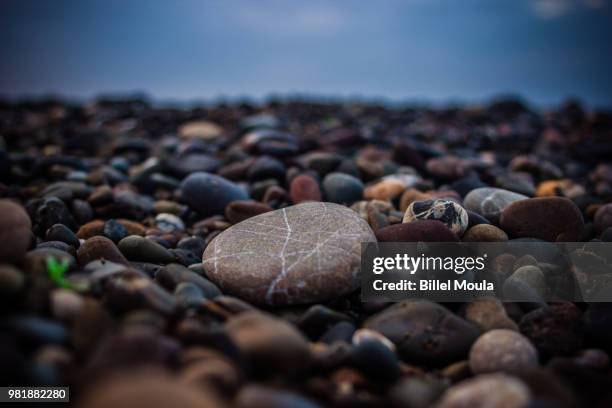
{"points": [[304, 188]]}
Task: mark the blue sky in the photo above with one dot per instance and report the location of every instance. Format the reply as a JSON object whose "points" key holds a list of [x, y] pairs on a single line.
{"points": [[423, 50]]}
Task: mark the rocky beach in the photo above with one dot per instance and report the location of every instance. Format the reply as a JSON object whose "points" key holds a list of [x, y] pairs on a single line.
{"points": [[209, 256]]}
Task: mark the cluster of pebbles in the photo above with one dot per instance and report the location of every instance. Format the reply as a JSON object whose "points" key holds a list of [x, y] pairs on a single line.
{"points": [[209, 257]]}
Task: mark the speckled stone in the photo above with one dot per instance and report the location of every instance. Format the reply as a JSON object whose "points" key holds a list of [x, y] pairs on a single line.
{"points": [[490, 202], [502, 350], [533, 218], [305, 253], [446, 211]]}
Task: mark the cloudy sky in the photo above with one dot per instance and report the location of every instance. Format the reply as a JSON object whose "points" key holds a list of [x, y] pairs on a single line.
{"points": [[425, 50]]}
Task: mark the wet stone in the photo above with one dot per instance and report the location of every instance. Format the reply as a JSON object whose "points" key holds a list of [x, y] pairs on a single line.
{"points": [[301, 254]]}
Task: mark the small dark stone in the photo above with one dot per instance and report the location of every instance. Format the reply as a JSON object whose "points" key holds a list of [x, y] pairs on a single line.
{"points": [[376, 361], [209, 194], [342, 188], [114, 231], [425, 332], [139, 249], [173, 274], [60, 232]]}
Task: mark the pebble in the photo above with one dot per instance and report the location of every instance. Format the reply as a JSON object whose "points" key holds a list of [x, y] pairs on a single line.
{"points": [[188, 295], [60, 232], [166, 222], [425, 332], [66, 304], [416, 231], [342, 188], [114, 231], [489, 314], [340, 332], [487, 391], [490, 202], [484, 233], [152, 389], [12, 282], [209, 194], [257, 396], [447, 168], [318, 318], [416, 392], [375, 360], [563, 188], [238, 211], [269, 343], [286, 247], [15, 231], [502, 350], [603, 218], [532, 218], [519, 183], [264, 168], [386, 189], [304, 188], [446, 211], [139, 249], [53, 211], [172, 275], [200, 129], [554, 330], [371, 335], [99, 247]]}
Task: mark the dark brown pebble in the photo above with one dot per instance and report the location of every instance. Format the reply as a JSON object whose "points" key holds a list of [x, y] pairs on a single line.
{"points": [[99, 247], [533, 218], [423, 230], [237, 211]]}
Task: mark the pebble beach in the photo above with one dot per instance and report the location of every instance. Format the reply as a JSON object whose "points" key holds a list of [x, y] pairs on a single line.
{"points": [[210, 256]]}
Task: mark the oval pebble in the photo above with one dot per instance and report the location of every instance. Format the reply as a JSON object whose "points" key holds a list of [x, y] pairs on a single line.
{"points": [[300, 254]]}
